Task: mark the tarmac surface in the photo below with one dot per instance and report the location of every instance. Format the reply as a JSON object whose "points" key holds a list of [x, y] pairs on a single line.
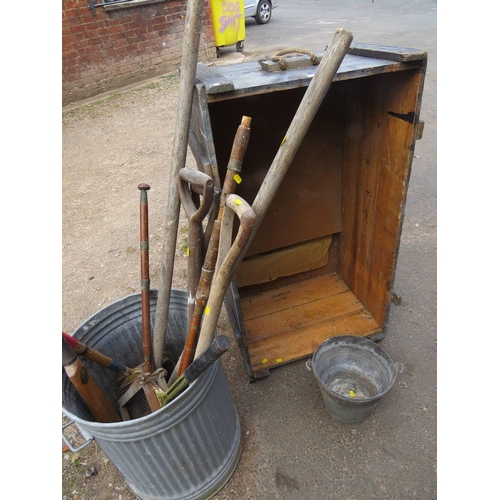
{"points": [[292, 447]]}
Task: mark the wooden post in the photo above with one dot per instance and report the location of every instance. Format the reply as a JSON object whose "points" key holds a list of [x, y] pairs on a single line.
{"points": [[189, 60]]}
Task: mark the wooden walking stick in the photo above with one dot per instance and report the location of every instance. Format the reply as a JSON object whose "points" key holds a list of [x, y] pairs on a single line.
{"points": [[189, 60], [313, 97]]}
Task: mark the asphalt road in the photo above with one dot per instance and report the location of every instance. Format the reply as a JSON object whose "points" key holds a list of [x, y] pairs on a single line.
{"points": [[296, 450]]}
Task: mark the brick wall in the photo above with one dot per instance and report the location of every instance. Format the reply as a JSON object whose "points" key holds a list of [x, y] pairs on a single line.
{"points": [[108, 49]]}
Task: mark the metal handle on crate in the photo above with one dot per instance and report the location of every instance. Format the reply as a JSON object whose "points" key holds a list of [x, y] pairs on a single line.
{"points": [[74, 450]]}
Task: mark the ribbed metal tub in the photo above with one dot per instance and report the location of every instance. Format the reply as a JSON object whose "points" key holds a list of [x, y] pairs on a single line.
{"points": [[353, 375], [188, 449]]}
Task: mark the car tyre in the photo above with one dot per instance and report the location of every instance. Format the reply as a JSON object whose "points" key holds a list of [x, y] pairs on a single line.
{"points": [[263, 15]]}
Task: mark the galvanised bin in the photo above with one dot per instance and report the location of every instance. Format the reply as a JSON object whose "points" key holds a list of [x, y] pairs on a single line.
{"points": [[188, 449]]}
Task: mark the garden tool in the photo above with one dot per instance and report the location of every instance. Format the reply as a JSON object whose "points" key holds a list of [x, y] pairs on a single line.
{"points": [[194, 180], [140, 397], [189, 61], [87, 387], [203, 290], [83, 349], [234, 205], [218, 347]]}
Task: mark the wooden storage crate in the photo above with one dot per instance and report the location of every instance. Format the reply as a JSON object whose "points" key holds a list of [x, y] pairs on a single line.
{"points": [[324, 258]]}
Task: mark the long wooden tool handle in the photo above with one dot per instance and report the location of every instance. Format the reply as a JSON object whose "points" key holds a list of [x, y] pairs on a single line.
{"points": [[87, 387], [94, 355], [145, 282], [315, 93], [213, 308], [214, 351], [193, 180], [189, 61], [218, 347], [231, 180], [201, 298]]}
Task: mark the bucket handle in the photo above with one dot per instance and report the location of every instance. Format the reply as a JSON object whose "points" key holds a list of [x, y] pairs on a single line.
{"points": [[309, 364], [74, 450], [399, 367]]}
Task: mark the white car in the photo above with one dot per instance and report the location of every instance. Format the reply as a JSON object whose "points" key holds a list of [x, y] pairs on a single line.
{"points": [[260, 10]]}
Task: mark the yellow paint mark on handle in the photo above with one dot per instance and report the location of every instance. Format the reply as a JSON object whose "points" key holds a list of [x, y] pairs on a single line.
{"points": [[352, 393], [207, 311], [264, 361], [188, 251], [237, 178], [279, 360], [283, 141], [237, 201]]}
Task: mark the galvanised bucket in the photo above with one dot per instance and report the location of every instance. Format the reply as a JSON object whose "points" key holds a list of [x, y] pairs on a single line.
{"points": [[353, 374]]}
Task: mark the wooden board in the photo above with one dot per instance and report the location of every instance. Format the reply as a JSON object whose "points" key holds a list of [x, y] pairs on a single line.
{"points": [[284, 262], [248, 78], [377, 157], [309, 202], [288, 323]]}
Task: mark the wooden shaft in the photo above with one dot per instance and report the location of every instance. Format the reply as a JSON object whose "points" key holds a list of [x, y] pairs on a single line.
{"points": [[194, 181], [240, 144], [247, 217], [96, 356], [189, 60], [145, 282], [87, 387], [201, 298], [315, 93]]}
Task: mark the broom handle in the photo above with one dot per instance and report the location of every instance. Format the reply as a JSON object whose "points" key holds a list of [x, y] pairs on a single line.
{"points": [[189, 61]]}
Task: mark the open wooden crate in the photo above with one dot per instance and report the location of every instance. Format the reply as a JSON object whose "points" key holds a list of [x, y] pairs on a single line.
{"points": [[324, 258]]}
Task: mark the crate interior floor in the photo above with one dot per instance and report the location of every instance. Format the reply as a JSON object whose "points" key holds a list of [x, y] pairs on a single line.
{"points": [[288, 323]]}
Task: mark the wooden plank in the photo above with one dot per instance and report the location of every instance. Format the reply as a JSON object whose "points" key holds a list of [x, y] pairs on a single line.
{"points": [[290, 296], [290, 346], [309, 202], [301, 316], [248, 78], [375, 176], [369, 202], [397, 157], [354, 96], [291, 62], [219, 81], [400, 54], [284, 262]]}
